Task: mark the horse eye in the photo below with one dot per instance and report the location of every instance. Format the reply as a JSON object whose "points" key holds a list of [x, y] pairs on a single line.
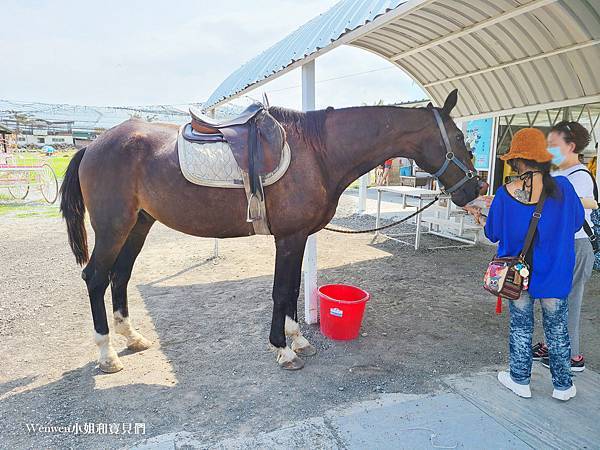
{"points": [[459, 137]]}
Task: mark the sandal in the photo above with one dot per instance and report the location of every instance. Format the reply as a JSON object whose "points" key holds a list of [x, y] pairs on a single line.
{"points": [[539, 351]]}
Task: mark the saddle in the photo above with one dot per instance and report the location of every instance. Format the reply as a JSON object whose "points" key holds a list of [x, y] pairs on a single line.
{"points": [[211, 126], [257, 141]]}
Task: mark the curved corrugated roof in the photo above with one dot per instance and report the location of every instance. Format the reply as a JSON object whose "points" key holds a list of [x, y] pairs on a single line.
{"points": [[503, 55], [322, 32]]}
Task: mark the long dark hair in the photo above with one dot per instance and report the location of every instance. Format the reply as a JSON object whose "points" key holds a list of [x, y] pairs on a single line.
{"points": [[550, 186]]}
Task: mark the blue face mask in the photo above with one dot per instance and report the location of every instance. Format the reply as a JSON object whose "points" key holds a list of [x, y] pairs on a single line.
{"points": [[557, 157]]}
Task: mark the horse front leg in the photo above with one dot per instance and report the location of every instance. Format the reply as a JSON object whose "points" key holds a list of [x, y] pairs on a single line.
{"points": [[300, 344], [288, 262]]}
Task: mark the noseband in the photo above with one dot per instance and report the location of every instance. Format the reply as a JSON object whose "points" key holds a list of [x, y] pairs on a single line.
{"points": [[450, 158]]}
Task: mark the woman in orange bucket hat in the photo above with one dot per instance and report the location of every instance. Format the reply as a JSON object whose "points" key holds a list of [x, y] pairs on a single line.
{"points": [[549, 260]]}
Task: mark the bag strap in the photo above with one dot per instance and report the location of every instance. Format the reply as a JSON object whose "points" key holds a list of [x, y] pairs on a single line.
{"points": [[537, 214], [593, 180], [586, 226], [588, 230]]}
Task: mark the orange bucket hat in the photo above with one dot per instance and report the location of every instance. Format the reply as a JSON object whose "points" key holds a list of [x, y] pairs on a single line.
{"points": [[528, 143]]}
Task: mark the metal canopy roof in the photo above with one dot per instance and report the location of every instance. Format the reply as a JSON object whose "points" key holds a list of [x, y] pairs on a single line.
{"points": [[502, 55]]}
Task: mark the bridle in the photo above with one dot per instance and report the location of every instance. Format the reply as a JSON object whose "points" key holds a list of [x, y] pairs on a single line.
{"points": [[450, 158]]}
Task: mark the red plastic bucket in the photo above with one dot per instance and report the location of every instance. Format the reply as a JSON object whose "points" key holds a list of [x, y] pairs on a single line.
{"points": [[341, 308]]}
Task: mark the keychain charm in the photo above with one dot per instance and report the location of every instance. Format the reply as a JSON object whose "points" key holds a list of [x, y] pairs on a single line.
{"points": [[522, 270]]}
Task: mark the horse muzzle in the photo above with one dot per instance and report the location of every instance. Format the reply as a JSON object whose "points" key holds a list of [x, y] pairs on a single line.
{"points": [[483, 187]]}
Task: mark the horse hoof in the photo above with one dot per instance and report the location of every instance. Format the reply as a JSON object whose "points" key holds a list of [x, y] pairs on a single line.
{"points": [[139, 344], [307, 350], [111, 365], [293, 364]]}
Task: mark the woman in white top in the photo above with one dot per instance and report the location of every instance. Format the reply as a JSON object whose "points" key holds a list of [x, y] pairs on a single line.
{"points": [[566, 141]]}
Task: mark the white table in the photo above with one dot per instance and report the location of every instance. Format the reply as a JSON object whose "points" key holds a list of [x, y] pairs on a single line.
{"points": [[424, 196]]}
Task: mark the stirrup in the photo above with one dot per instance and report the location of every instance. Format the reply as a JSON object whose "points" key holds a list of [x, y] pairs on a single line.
{"points": [[249, 217]]}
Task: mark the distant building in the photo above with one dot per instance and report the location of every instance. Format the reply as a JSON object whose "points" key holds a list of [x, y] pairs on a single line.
{"points": [[4, 132], [40, 132]]}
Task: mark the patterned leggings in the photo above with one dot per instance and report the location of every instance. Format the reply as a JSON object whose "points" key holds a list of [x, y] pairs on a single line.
{"points": [[557, 338], [596, 222]]}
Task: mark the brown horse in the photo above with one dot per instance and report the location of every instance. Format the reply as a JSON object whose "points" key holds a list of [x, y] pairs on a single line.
{"points": [[130, 177]]}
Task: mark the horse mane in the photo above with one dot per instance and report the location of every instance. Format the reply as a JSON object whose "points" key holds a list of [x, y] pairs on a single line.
{"points": [[308, 126]]}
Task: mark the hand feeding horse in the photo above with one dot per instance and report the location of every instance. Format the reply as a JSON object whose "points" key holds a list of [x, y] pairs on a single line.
{"points": [[130, 177]]}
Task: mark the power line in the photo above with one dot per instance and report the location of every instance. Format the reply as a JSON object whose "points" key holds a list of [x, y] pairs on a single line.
{"points": [[350, 75]]}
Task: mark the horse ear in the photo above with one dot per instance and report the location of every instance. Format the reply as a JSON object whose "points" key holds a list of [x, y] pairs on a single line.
{"points": [[429, 105], [450, 102]]}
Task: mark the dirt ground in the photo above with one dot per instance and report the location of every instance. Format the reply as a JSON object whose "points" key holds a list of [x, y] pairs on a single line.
{"points": [[209, 371]]}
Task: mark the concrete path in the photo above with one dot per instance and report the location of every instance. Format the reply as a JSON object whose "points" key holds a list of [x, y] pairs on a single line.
{"points": [[471, 412]]}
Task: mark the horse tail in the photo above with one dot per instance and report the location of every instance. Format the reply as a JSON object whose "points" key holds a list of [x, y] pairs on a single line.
{"points": [[73, 209]]}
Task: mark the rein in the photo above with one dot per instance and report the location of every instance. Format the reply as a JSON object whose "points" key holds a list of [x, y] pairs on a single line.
{"points": [[371, 230]]}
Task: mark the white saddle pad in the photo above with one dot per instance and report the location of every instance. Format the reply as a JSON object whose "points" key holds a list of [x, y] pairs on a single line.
{"points": [[212, 164]]}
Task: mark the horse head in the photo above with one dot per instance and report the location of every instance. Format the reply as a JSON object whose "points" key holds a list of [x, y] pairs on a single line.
{"points": [[444, 154]]}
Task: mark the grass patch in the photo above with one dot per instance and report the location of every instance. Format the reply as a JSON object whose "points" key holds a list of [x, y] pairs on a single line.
{"points": [[30, 209], [27, 208], [54, 212], [59, 161]]}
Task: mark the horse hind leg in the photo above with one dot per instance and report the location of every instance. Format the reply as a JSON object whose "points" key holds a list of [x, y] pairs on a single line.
{"points": [[110, 237], [119, 279], [96, 276]]}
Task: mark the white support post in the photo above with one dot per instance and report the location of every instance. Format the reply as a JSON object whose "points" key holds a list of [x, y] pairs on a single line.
{"points": [[362, 193], [211, 113], [493, 158], [309, 267], [597, 135], [378, 215]]}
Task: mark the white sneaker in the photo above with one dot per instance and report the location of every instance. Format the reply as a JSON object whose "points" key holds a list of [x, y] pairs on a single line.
{"points": [[522, 390], [566, 394]]}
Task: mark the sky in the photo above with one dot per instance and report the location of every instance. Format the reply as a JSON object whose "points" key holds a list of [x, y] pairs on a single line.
{"points": [[121, 53]]}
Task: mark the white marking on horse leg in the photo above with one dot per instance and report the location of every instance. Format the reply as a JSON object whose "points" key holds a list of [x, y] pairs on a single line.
{"points": [[300, 344], [109, 362], [287, 358], [285, 354], [135, 341]]}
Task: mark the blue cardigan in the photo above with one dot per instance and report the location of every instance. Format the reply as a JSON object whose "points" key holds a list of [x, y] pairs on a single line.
{"points": [[554, 243]]}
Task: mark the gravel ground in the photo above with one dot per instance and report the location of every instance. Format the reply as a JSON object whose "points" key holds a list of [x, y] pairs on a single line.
{"points": [[209, 371]]}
